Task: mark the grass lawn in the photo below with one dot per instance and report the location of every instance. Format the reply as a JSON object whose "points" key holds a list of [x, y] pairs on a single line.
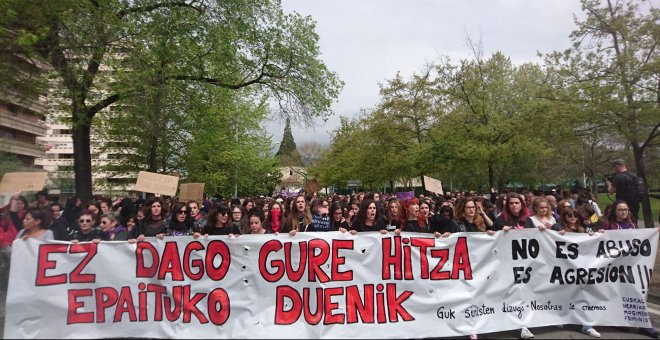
{"points": [[604, 200]]}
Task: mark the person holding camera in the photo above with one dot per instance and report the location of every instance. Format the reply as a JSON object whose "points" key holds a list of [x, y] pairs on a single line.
{"points": [[624, 184]]}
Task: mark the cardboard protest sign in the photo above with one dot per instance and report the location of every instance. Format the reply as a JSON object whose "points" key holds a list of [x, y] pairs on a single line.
{"points": [[329, 285], [312, 186], [191, 191], [433, 185], [23, 181], [156, 183]]}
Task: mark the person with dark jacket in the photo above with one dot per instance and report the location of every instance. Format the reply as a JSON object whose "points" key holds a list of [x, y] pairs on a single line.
{"points": [[85, 231], [154, 222], [368, 219], [112, 229], [219, 223], [60, 226], [181, 223]]}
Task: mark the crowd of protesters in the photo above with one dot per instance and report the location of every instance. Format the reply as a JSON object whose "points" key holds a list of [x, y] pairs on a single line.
{"points": [[134, 219]]}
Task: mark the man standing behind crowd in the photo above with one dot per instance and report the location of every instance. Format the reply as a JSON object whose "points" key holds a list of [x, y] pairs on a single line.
{"points": [[624, 184]]}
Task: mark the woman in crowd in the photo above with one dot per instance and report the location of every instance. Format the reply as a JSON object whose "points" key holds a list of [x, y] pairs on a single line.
{"points": [[412, 214], [394, 215], [618, 217], [112, 229], [514, 216], [368, 219], [514, 213], [321, 218], [72, 208], [299, 218], [542, 217], [586, 212], [256, 219], [248, 204], [95, 208], [237, 217], [353, 210], [85, 231], [104, 205], [442, 222], [265, 209], [12, 221], [569, 223], [35, 225], [131, 222], [219, 223], [274, 218], [467, 219], [154, 222], [181, 223], [424, 217], [338, 218]]}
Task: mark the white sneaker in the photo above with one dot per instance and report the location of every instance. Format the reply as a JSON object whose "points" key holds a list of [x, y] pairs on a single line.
{"points": [[525, 333], [474, 337], [591, 332]]}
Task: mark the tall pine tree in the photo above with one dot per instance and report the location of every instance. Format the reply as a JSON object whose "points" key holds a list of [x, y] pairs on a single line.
{"points": [[288, 152]]}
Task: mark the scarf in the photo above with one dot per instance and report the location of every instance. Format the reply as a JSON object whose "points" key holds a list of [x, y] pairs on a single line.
{"points": [[275, 220]]}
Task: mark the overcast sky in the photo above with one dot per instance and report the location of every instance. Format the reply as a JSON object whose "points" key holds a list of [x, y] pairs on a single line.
{"points": [[367, 41]]}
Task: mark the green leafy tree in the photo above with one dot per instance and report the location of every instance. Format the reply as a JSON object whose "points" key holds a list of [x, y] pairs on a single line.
{"points": [[612, 71], [494, 122], [227, 44]]}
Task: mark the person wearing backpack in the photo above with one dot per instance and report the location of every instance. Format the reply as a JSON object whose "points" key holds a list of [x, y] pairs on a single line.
{"points": [[626, 186]]}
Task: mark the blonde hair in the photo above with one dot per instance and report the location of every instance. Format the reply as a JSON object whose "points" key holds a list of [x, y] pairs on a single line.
{"points": [[538, 201]]}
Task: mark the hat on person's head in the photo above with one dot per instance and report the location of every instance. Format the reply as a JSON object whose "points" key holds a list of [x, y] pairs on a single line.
{"points": [[618, 161]]}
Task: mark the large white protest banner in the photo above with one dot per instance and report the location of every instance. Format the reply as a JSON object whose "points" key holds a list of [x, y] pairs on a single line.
{"points": [[329, 285]]}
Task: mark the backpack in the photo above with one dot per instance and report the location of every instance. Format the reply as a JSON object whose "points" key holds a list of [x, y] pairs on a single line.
{"points": [[636, 185]]}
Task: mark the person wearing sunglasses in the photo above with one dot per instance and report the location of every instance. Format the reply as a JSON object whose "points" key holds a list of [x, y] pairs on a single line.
{"points": [[85, 231], [181, 223], [112, 229], [219, 222], [569, 223]]}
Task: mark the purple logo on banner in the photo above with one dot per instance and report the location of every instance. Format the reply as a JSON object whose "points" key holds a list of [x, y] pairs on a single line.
{"points": [[404, 195]]}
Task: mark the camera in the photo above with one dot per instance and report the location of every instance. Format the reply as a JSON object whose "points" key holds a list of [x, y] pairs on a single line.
{"points": [[608, 178]]}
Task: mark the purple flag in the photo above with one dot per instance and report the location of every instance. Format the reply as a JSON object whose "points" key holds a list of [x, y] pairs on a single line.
{"points": [[404, 195]]}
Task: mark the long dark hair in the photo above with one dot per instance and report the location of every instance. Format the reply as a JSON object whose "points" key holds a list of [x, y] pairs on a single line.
{"points": [[361, 216], [41, 214], [146, 208], [507, 216], [174, 222], [213, 215], [611, 213]]}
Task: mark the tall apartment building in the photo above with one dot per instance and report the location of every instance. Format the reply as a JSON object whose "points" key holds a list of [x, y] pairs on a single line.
{"points": [[21, 123], [58, 159]]}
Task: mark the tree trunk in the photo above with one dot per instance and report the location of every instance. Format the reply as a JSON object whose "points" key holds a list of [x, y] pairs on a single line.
{"points": [[638, 153], [82, 159], [491, 174]]}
